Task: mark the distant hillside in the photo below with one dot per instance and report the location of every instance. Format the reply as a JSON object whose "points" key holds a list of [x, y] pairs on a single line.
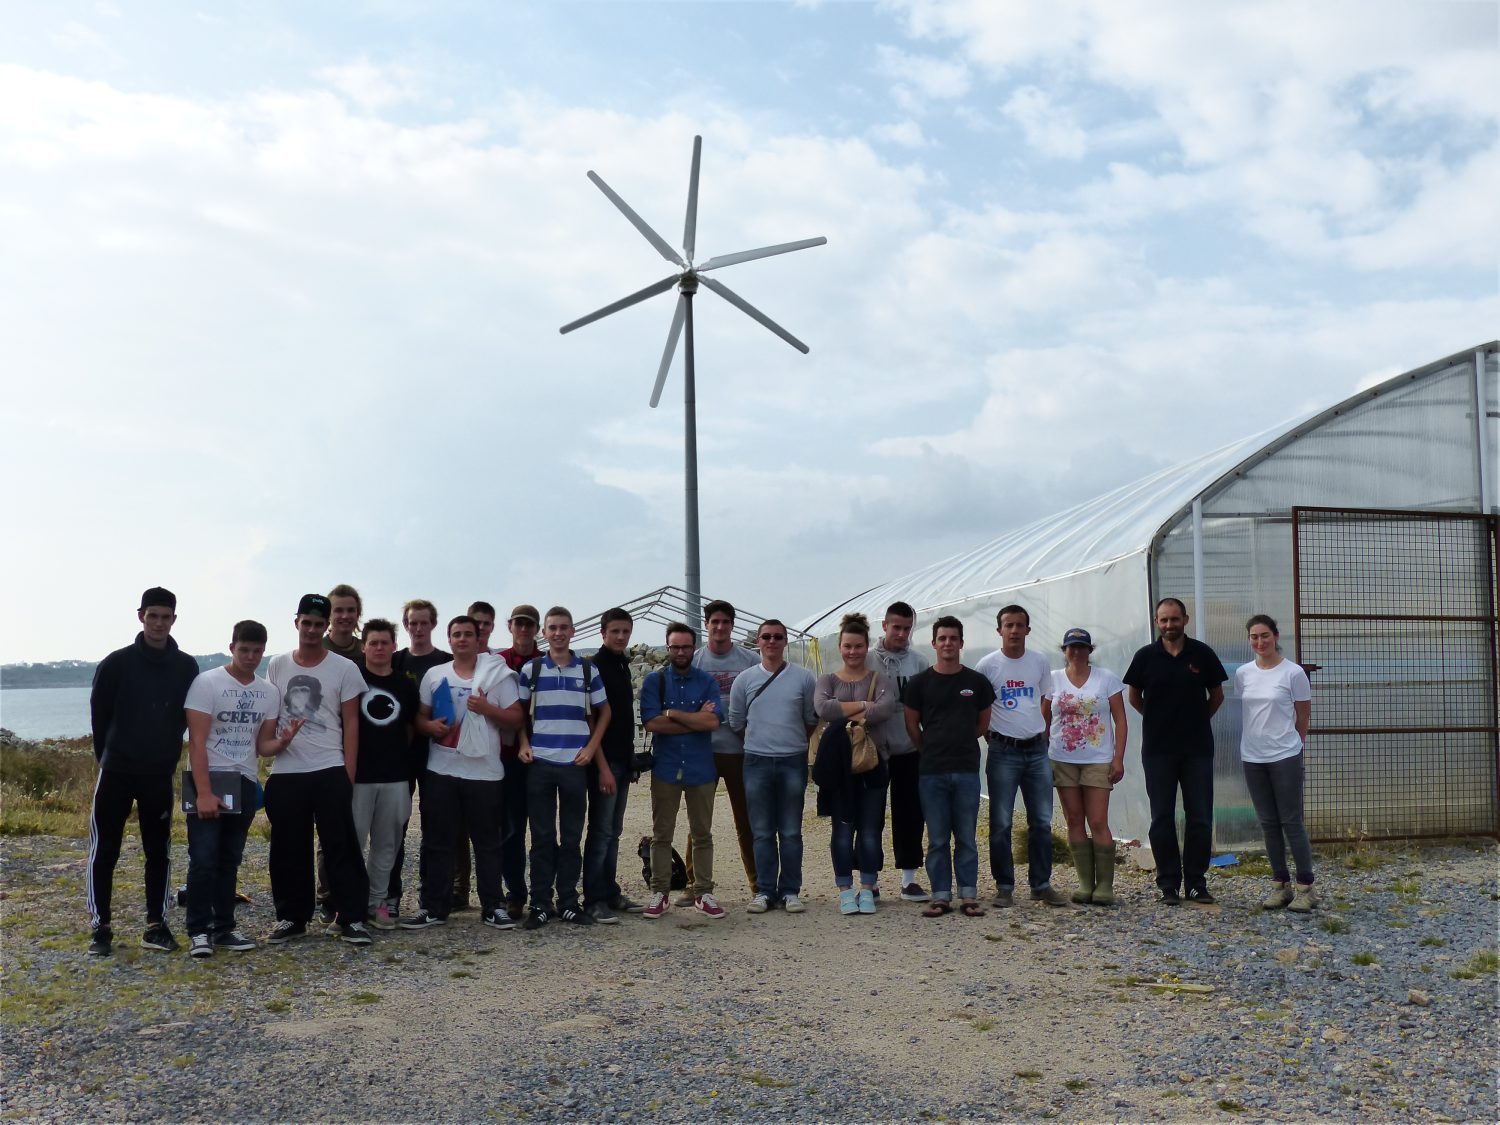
{"points": [[74, 673]]}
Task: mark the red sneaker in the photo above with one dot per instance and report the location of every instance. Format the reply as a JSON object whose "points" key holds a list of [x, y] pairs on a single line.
{"points": [[707, 904], [656, 907]]}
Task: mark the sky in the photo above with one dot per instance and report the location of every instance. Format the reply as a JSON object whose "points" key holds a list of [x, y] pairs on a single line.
{"points": [[280, 283]]}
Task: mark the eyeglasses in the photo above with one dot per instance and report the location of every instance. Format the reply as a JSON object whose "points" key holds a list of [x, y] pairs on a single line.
{"points": [[772, 637], [679, 648]]}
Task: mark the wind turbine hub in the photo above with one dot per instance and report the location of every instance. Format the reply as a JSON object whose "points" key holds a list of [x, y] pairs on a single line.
{"points": [[687, 285]]}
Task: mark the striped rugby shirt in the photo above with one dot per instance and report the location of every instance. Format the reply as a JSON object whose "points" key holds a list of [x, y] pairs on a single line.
{"points": [[561, 728]]}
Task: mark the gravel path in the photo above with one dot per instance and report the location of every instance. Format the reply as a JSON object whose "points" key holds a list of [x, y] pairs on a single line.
{"points": [[1381, 1006]]}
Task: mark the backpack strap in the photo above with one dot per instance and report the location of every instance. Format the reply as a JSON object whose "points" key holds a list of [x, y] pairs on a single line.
{"points": [[588, 679]]}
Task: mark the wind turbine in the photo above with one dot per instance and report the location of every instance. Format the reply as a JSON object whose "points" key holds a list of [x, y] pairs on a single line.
{"points": [[687, 279]]}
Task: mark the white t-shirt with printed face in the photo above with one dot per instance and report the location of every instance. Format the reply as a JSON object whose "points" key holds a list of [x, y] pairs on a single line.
{"points": [[236, 712], [1083, 729], [315, 695], [1268, 721], [1019, 683], [443, 755]]}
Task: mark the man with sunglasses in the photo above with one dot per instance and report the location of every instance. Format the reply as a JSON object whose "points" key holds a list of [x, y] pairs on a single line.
{"points": [[680, 706], [772, 705]]}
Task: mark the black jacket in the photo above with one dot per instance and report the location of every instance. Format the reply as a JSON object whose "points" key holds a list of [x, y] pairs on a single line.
{"points": [[137, 707], [619, 736]]}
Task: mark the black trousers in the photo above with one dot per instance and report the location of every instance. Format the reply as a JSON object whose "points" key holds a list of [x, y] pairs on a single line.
{"points": [[298, 803], [1194, 774], [114, 793], [906, 812], [453, 808]]}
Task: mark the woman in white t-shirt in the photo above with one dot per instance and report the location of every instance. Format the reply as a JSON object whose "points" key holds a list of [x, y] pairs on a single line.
{"points": [[1276, 702], [1084, 708]]}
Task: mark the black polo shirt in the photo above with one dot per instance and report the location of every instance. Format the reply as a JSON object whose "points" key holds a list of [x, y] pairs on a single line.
{"points": [[1175, 692]]}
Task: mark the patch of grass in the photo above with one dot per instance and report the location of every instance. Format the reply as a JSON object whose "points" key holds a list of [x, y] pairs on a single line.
{"points": [[277, 1006], [1435, 941], [765, 1081], [1406, 886], [1076, 1084], [1365, 959], [182, 1062], [1028, 1074], [1229, 1105], [984, 1023], [1334, 924], [1484, 963], [366, 998], [462, 974]]}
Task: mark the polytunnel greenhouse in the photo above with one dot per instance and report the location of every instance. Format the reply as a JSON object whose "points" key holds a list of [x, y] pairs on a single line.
{"points": [[1368, 530]]}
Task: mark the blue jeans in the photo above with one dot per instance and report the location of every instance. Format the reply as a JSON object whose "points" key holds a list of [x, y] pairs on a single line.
{"points": [[857, 842], [601, 846], [775, 786], [950, 805], [215, 848], [1008, 768]]}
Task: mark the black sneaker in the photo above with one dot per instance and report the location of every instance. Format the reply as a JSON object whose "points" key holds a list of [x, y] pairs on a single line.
{"points": [[234, 940], [101, 942], [1200, 895], [500, 919], [913, 892], [355, 933], [326, 914], [285, 931], [536, 919], [576, 916], [199, 945], [157, 936], [421, 920], [1170, 897]]}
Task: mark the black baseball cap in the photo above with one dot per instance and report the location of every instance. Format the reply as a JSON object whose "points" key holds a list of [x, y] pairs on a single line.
{"points": [[159, 595], [314, 605]]}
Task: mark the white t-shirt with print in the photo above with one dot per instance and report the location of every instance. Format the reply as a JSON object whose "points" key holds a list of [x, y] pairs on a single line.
{"points": [[1268, 721], [1019, 683], [235, 712], [443, 755], [316, 695], [1083, 729]]}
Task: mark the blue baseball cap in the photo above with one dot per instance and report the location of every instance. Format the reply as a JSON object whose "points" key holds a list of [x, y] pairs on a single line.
{"points": [[1077, 637]]}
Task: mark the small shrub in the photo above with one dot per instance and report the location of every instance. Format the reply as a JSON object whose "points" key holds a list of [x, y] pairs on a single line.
{"points": [[1333, 924], [1364, 959]]}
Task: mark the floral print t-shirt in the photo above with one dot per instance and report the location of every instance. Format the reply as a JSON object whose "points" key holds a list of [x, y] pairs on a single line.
{"points": [[1082, 730]]}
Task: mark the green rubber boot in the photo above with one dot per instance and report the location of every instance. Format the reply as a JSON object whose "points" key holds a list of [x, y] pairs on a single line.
{"points": [[1083, 863], [1104, 874]]}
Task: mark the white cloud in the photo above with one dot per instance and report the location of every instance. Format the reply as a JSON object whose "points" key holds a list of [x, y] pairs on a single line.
{"points": [[925, 76], [1050, 129], [906, 134]]}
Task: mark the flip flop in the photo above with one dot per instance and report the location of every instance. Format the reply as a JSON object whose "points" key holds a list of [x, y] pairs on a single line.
{"points": [[938, 908], [971, 910]]}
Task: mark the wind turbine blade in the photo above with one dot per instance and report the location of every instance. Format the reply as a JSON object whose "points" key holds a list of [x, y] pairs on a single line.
{"points": [[690, 228], [763, 252], [623, 303], [666, 357], [639, 223], [752, 312]]}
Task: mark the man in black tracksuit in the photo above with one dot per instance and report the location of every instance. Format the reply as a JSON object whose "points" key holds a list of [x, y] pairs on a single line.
{"points": [[609, 775], [138, 720]]}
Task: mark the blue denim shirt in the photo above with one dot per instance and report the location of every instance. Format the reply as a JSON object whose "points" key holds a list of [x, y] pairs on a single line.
{"points": [[682, 759]]}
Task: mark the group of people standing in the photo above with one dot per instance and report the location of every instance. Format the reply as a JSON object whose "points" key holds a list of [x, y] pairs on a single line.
{"points": [[533, 739]]}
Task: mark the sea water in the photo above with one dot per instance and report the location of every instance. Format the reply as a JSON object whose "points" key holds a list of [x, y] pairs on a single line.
{"points": [[45, 712]]}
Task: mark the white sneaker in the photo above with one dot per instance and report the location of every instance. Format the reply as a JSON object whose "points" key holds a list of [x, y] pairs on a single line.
{"points": [[758, 905], [793, 905]]}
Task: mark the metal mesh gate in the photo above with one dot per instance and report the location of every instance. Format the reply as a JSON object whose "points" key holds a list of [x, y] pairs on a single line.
{"points": [[1396, 623]]}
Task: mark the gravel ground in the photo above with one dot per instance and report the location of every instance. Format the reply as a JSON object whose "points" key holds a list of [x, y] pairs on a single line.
{"points": [[1381, 1006]]}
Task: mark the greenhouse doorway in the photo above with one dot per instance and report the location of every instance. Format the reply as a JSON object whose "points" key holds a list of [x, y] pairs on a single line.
{"points": [[1396, 625]]}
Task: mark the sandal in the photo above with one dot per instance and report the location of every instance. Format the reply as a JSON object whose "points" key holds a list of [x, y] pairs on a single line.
{"points": [[938, 908], [971, 910]]}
